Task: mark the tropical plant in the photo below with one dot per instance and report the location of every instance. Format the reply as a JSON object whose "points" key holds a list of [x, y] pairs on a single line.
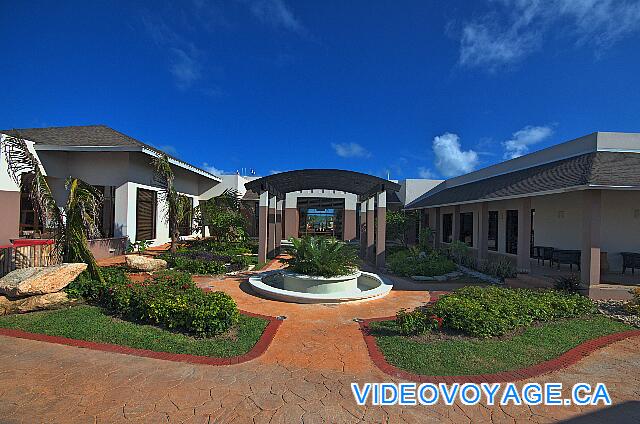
{"points": [[322, 256], [398, 225], [177, 207], [568, 283], [138, 247], [411, 262], [72, 224], [224, 216], [425, 239]]}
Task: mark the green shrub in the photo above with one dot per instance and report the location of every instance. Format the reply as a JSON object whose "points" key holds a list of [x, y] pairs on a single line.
{"points": [[494, 311], [194, 265], [570, 283], [500, 268], [322, 256], [411, 262], [416, 322], [169, 299]]}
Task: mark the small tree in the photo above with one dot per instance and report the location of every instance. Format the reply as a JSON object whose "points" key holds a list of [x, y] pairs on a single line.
{"points": [[223, 216], [398, 225], [75, 223], [177, 207]]}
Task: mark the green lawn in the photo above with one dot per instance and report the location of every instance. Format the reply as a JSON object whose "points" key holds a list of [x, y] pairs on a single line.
{"points": [[482, 356], [94, 324]]}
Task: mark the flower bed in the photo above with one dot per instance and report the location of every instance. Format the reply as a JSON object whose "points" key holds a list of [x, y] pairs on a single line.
{"points": [[204, 262]]}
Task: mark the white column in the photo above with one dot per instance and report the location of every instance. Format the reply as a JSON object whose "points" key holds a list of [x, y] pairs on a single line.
{"points": [[524, 235], [263, 214], [381, 230], [271, 247], [371, 233], [591, 235]]}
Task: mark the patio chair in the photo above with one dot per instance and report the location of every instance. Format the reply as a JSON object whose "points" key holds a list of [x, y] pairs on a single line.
{"points": [[630, 260], [567, 257], [543, 253]]}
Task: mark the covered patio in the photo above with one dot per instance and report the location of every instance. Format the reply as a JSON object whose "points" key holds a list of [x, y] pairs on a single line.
{"points": [[365, 203], [582, 212]]}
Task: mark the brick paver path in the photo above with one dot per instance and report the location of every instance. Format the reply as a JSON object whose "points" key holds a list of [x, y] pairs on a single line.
{"points": [[304, 376]]}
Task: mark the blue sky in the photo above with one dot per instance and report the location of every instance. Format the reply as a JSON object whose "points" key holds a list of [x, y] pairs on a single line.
{"points": [[408, 88]]}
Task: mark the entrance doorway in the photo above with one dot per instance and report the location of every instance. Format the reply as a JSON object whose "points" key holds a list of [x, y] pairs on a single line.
{"points": [[321, 216]]}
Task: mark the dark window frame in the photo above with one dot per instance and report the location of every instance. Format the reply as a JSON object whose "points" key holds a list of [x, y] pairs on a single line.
{"points": [[511, 231], [447, 227], [466, 228], [154, 209], [493, 231]]}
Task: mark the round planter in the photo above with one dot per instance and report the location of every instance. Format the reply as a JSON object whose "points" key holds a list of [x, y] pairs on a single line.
{"points": [[320, 285]]}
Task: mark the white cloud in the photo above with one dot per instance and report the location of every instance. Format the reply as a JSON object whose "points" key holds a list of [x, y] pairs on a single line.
{"points": [[451, 160], [350, 150], [275, 13], [184, 56], [425, 173], [213, 170], [513, 29], [519, 144]]}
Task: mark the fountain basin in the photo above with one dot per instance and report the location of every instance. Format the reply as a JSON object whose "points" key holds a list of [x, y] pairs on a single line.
{"points": [[291, 287]]}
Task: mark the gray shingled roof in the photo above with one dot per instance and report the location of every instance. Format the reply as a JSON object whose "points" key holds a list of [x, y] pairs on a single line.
{"points": [[85, 136], [598, 168]]}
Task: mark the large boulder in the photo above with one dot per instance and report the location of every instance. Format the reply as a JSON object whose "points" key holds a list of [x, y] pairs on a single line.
{"points": [[39, 280], [145, 263], [34, 303]]}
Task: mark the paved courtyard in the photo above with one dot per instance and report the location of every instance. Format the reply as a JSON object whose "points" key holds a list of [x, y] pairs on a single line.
{"points": [[304, 376]]}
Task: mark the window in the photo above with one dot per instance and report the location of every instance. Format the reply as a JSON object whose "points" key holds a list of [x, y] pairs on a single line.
{"points": [[493, 231], [466, 228], [29, 220], [146, 204], [447, 228], [185, 227], [106, 218], [512, 232]]}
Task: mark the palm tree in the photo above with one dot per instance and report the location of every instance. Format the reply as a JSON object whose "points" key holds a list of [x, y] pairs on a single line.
{"points": [[177, 207], [75, 223]]}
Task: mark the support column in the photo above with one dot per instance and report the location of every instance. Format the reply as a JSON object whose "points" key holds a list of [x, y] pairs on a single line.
{"points": [[436, 224], [271, 249], [524, 235], [279, 206], [455, 228], [371, 233], [349, 225], [591, 235], [263, 207], [483, 231], [381, 230], [363, 229]]}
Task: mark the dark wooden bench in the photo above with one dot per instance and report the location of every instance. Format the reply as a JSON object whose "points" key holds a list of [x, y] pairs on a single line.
{"points": [[567, 257], [543, 253], [630, 260]]}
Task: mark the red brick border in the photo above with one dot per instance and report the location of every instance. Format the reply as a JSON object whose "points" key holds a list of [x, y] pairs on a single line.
{"points": [[258, 349], [568, 358]]}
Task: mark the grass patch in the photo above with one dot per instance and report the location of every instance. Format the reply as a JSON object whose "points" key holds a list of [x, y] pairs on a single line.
{"points": [[482, 356], [92, 323]]}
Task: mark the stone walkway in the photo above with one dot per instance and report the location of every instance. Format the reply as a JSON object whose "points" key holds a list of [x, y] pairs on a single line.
{"points": [[304, 376]]}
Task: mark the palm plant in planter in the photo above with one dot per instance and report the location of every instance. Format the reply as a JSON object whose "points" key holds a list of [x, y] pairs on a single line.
{"points": [[322, 257]]}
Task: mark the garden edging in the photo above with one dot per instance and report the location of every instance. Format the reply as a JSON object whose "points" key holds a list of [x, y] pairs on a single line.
{"points": [[566, 359], [258, 349]]}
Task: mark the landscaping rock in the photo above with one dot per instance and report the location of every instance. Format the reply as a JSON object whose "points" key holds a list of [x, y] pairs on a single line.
{"points": [[145, 263], [615, 309], [34, 303], [422, 278], [39, 280]]}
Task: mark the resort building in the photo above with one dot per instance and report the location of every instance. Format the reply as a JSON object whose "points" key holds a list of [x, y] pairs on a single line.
{"points": [[576, 205], [119, 165]]}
